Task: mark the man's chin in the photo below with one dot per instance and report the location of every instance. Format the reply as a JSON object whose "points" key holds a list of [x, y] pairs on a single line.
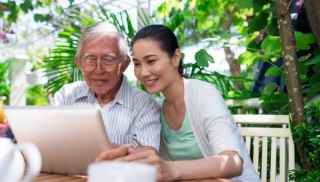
{"points": [[100, 91]]}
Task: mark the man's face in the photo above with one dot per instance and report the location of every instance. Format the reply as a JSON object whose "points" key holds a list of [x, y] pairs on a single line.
{"points": [[100, 62]]}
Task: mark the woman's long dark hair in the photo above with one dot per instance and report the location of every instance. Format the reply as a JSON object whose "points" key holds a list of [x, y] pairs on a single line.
{"points": [[167, 40]]}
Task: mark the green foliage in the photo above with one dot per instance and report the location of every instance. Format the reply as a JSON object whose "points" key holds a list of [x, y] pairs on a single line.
{"points": [[304, 41], [37, 95], [304, 175], [308, 135], [249, 58], [4, 81], [41, 17], [59, 66], [226, 84], [11, 10], [203, 58], [271, 47], [274, 71]]}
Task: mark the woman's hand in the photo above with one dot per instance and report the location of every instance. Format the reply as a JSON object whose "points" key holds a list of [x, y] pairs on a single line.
{"points": [[148, 155]]}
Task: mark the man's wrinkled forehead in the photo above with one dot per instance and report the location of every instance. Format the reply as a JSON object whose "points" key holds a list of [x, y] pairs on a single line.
{"points": [[110, 42]]}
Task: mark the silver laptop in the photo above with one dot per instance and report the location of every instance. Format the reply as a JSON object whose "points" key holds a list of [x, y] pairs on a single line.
{"points": [[69, 137]]}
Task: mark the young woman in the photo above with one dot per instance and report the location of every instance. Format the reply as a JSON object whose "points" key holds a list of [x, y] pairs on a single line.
{"points": [[199, 137]]}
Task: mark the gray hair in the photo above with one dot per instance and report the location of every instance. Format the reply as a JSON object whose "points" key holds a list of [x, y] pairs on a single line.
{"points": [[103, 29]]}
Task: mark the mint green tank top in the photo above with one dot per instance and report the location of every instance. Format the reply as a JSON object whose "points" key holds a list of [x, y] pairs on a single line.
{"points": [[181, 144]]}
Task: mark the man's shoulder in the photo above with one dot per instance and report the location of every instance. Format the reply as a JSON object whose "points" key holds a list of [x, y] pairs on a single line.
{"points": [[71, 91], [74, 87]]}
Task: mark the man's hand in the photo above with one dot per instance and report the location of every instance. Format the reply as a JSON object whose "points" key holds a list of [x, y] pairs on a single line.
{"points": [[117, 151]]}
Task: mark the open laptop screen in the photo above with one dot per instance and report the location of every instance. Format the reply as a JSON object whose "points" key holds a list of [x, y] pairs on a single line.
{"points": [[68, 137]]}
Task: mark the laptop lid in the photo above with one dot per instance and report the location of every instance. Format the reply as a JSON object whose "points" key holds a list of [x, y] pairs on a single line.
{"points": [[68, 137]]}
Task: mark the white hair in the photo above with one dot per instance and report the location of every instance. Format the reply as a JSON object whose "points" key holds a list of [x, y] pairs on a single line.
{"points": [[103, 29]]}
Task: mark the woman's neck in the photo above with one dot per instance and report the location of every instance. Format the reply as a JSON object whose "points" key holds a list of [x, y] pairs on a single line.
{"points": [[174, 94]]}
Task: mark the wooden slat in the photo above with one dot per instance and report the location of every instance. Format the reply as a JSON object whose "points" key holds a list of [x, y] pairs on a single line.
{"points": [[261, 119], [291, 158], [282, 160], [262, 131], [273, 164], [264, 162], [256, 154], [248, 144]]}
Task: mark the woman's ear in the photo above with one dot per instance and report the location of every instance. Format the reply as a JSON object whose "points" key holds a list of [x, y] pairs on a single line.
{"points": [[177, 57], [125, 64]]}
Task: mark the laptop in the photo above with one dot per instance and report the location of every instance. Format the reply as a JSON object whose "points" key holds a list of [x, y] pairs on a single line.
{"points": [[69, 137]]}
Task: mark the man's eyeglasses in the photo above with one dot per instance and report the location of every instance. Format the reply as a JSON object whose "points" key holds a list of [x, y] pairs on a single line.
{"points": [[90, 62]]}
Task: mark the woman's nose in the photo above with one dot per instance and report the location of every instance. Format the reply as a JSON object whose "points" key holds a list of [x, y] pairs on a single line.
{"points": [[145, 71]]}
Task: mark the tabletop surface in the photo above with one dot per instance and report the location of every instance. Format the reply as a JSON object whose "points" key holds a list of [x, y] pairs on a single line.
{"points": [[59, 178]]}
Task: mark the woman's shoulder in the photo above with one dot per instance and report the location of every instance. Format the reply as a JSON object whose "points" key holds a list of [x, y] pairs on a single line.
{"points": [[200, 86]]}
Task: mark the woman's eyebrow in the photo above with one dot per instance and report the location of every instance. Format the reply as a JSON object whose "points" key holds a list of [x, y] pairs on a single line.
{"points": [[144, 57], [148, 56]]}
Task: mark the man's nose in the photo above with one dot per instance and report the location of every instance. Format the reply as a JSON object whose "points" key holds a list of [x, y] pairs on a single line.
{"points": [[99, 68]]}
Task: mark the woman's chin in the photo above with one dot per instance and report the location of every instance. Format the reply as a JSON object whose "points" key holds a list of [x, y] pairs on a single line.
{"points": [[151, 90]]}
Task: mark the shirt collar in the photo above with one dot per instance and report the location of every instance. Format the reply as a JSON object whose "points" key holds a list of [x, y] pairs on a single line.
{"points": [[122, 97], [86, 95]]}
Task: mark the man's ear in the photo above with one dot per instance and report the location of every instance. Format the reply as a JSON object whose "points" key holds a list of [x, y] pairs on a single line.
{"points": [[77, 61], [177, 57], [125, 64]]}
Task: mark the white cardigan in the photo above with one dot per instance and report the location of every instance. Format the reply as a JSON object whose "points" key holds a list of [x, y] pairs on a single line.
{"points": [[213, 126]]}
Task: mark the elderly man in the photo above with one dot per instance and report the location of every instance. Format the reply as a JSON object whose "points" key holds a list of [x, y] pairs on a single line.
{"points": [[102, 58]]}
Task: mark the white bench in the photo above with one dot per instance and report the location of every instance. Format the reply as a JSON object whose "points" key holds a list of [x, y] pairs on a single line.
{"points": [[269, 142]]}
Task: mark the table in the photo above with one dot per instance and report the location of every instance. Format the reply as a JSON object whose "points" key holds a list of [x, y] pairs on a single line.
{"points": [[59, 178]]}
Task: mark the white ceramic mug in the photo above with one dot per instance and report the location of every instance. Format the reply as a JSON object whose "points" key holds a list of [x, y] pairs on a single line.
{"points": [[116, 171], [18, 162]]}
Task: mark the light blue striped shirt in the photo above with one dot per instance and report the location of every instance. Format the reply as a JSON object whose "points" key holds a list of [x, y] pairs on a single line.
{"points": [[131, 112]]}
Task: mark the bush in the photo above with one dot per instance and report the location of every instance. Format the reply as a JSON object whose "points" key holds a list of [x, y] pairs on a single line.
{"points": [[308, 135]]}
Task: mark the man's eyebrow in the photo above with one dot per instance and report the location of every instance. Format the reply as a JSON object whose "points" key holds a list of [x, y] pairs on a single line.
{"points": [[110, 54]]}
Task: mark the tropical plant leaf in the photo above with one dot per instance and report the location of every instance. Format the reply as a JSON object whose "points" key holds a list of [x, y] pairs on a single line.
{"points": [[203, 58]]}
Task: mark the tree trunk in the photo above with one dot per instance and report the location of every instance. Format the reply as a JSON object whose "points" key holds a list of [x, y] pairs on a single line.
{"points": [[313, 7], [234, 67], [3, 7], [290, 70]]}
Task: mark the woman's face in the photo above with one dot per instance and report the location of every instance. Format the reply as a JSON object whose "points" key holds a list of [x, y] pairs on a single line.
{"points": [[154, 67]]}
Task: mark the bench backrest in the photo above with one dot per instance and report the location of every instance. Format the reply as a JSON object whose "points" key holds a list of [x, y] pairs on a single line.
{"points": [[269, 142]]}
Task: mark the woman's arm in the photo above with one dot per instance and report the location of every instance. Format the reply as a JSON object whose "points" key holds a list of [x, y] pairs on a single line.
{"points": [[224, 165]]}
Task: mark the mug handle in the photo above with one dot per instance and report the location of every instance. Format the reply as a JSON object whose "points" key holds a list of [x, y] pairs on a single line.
{"points": [[32, 157]]}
